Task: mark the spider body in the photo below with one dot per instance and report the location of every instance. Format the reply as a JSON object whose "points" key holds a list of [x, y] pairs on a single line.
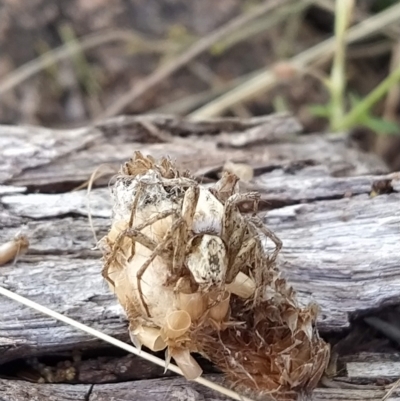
{"points": [[195, 274], [190, 230], [208, 260]]}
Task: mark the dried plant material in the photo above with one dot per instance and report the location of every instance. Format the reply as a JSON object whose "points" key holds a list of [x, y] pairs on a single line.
{"points": [[394, 387], [150, 337], [14, 248], [275, 351], [187, 363], [117, 343], [285, 70], [243, 286], [194, 304], [218, 312], [177, 323], [194, 273], [243, 171]]}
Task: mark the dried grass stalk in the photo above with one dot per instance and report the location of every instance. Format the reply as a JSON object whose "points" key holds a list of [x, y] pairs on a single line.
{"points": [[193, 272]]}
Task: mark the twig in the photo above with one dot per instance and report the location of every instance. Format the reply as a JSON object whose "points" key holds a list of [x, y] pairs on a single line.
{"points": [[389, 330], [260, 25], [199, 47], [207, 76], [192, 102], [266, 79], [118, 343], [67, 50], [330, 383], [395, 386], [359, 15], [370, 50], [292, 26], [97, 173]]}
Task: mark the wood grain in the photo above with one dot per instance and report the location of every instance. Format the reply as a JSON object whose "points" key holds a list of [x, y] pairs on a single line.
{"points": [[175, 389]]}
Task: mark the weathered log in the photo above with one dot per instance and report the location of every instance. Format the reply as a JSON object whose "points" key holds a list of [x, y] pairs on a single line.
{"points": [[175, 389], [336, 210], [48, 159]]}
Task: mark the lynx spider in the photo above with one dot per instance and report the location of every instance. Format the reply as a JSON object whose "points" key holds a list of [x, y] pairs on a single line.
{"points": [[226, 254]]}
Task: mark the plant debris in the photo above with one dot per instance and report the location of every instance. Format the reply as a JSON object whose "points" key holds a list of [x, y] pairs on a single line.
{"points": [[242, 170], [194, 274], [12, 249]]}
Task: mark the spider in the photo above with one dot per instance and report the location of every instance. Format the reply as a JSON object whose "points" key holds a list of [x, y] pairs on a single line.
{"points": [[207, 236]]}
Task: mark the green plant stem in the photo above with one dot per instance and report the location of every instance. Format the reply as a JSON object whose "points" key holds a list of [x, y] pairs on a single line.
{"points": [[370, 100], [338, 74], [265, 79]]}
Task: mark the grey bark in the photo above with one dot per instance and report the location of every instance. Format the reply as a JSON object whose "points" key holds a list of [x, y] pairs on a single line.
{"points": [[174, 389]]}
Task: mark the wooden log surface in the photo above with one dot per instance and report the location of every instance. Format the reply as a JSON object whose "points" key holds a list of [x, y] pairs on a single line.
{"points": [[175, 389], [335, 208]]}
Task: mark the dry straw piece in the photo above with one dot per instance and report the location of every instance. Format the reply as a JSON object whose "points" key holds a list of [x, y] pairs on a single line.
{"points": [[193, 274]]}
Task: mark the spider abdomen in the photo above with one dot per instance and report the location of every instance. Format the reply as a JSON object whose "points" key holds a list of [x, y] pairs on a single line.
{"points": [[208, 260], [208, 215]]}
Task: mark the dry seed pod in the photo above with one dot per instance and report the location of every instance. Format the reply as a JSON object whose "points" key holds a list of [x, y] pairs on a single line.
{"points": [[188, 243], [194, 304], [117, 228], [244, 171], [264, 362], [243, 286], [176, 325], [220, 310], [12, 249], [186, 363], [158, 298], [277, 349], [150, 337]]}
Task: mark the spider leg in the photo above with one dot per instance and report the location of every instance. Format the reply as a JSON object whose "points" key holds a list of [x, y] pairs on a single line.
{"points": [[269, 234], [121, 236], [234, 226], [179, 182], [153, 219], [135, 235], [139, 192], [104, 273], [241, 259], [188, 210], [231, 208], [255, 206], [225, 187], [157, 250]]}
